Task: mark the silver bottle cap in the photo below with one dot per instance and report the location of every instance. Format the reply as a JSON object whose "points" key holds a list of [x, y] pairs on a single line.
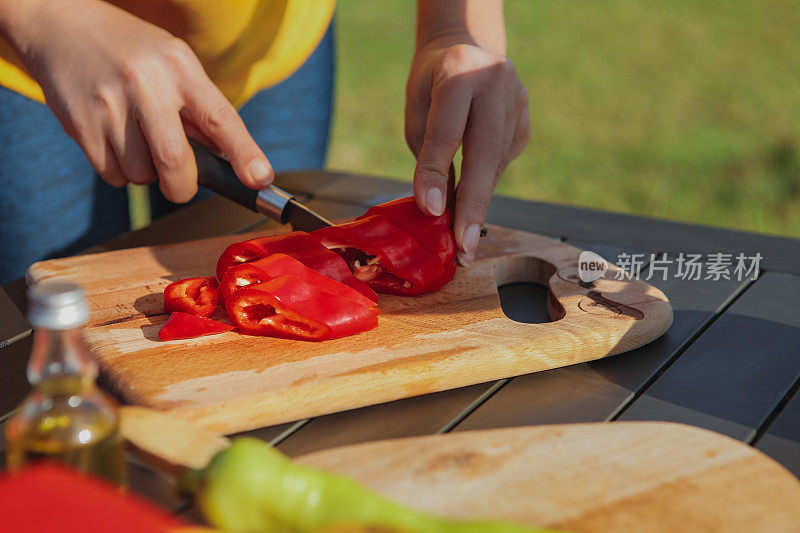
{"points": [[57, 305]]}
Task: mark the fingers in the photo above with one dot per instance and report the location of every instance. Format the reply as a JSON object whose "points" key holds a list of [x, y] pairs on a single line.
{"points": [[109, 168], [217, 119], [444, 129], [131, 151], [101, 156], [483, 162], [170, 151]]}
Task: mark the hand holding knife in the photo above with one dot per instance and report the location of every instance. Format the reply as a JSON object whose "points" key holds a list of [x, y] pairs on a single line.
{"points": [[216, 173]]}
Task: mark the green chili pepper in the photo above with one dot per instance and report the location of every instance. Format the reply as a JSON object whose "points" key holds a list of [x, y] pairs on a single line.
{"points": [[252, 488]]}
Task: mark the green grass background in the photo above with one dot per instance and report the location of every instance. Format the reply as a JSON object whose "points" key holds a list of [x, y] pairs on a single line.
{"points": [[678, 109]]}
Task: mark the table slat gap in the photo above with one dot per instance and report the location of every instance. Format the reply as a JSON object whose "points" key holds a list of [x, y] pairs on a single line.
{"points": [[12, 340], [499, 384], [294, 428], [765, 426]]}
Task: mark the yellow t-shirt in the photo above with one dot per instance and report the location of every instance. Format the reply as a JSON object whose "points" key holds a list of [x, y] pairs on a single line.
{"points": [[244, 45]]}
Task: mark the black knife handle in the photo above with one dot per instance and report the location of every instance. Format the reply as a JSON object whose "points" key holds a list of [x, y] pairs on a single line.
{"points": [[216, 173]]}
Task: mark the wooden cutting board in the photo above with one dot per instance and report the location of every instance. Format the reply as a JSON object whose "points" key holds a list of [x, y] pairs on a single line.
{"points": [[455, 337], [623, 476]]}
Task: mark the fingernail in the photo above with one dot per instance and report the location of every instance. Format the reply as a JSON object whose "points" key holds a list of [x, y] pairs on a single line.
{"points": [[464, 260], [259, 172], [469, 241], [434, 201]]}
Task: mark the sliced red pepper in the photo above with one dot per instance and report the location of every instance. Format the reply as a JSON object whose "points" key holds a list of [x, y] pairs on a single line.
{"points": [[384, 256], [290, 308], [302, 247], [434, 233], [185, 326], [198, 296], [278, 264]]}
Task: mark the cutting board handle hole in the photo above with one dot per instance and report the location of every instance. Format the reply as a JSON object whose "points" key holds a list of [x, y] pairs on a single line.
{"points": [[522, 286]]}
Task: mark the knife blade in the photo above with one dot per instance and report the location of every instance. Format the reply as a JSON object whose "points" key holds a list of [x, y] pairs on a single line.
{"points": [[216, 173]]}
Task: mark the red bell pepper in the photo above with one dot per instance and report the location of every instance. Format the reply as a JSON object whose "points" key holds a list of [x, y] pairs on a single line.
{"points": [[387, 258], [45, 497], [185, 326], [275, 265], [434, 233], [290, 308], [197, 296], [302, 247]]}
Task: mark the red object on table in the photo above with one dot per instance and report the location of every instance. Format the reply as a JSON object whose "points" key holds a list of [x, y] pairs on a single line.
{"points": [[302, 247], [387, 258], [265, 269], [185, 326], [434, 233], [196, 296], [290, 308], [48, 497]]}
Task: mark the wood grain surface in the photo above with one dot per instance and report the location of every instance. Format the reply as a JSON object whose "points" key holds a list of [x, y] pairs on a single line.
{"points": [[622, 476], [455, 337], [619, 476]]}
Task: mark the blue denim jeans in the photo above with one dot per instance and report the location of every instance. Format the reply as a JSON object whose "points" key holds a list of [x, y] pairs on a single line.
{"points": [[53, 203]]}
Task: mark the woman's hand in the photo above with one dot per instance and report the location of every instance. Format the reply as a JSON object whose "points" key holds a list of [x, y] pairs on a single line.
{"points": [[129, 92], [463, 94]]}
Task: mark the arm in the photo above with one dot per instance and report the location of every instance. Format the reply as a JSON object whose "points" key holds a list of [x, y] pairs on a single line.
{"points": [[128, 92], [463, 91]]}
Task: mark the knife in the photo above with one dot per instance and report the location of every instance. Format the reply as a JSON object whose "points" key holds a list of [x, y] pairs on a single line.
{"points": [[216, 173]]}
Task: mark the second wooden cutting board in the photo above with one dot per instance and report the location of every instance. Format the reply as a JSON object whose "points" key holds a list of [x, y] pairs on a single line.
{"points": [[452, 338], [621, 476]]}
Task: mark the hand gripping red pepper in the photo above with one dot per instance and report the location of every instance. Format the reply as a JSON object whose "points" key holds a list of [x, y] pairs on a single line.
{"points": [[302, 247], [291, 308]]}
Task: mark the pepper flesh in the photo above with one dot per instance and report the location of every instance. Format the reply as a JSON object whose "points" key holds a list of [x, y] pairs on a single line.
{"points": [[186, 326], [432, 232], [290, 308], [403, 265], [275, 265], [197, 296], [48, 497], [251, 486], [302, 247]]}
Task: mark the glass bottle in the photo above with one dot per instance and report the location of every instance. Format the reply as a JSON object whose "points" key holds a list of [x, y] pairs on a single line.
{"points": [[66, 417]]}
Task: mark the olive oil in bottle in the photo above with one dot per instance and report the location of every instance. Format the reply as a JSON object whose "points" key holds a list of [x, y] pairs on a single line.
{"points": [[66, 417]]}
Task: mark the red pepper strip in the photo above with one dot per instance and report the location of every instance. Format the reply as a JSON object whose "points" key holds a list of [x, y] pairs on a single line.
{"points": [[198, 296], [302, 247], [403, 265], [290, 308], [277, 264], [47, 497], [185, 326], [434, 233]]}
